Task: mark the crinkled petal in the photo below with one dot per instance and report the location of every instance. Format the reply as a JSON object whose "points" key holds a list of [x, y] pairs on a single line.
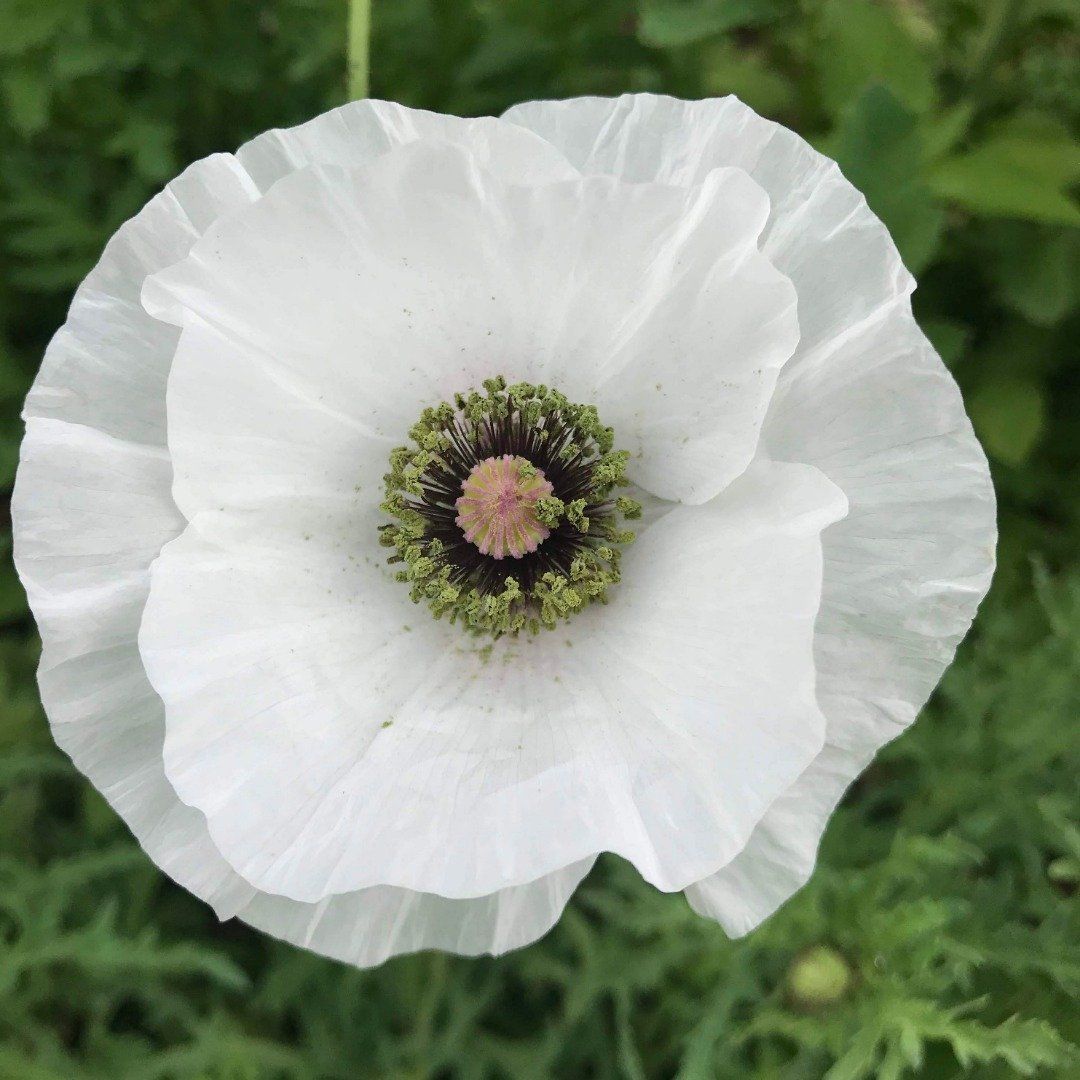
{"points": [[360, 131], [383, 290], [106, 371], [247, 442], [92, 508], [865, 399], [335, 741], [820, 232], [904, 573], [366, 927], [107, 365], [779, 858]]}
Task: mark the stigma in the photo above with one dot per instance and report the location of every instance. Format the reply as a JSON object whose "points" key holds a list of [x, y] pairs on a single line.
{"points": [[497, 509]]}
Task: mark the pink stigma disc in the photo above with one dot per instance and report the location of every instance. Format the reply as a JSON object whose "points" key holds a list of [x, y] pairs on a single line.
{"points": [[497, 507]]}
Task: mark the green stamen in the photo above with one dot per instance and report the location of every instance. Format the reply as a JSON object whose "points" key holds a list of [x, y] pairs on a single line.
{"points": [[556, 471]]}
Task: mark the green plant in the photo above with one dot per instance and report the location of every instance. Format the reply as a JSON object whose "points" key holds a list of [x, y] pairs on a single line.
{"points": [[939, 936]]}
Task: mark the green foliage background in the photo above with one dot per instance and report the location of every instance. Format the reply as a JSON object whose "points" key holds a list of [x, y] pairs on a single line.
{"points": [[939, 935]]}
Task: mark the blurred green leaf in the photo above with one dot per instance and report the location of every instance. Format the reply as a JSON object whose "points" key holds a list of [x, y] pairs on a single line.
{"points": [[76, 57], [1063, 9], [1022, 169], [12, 597], [879, 147], [27, 94], [1037, 271], [25, 24], [728, 69], [680, 22], [942, 131], [859, 43], [148, 144], [1009, 415], [948, 337]]}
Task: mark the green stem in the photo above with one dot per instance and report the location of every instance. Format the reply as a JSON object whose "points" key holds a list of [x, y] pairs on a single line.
{"points": [[359, 43]]}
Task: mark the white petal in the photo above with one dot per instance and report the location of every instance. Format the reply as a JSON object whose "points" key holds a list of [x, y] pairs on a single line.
{"points": [[904, 573], [361, 131], [364, 928], [866, 400], [387, 289], [779, 858], [91, 510], [820, 233], [334, 748], [881, 416], [247, 440], [646, 138], [106, 367]]}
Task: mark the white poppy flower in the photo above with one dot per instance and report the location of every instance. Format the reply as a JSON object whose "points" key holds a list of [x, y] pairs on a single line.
{"points": [[203, 526]]}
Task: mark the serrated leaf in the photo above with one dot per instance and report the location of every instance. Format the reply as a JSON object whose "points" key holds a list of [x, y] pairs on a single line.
{"points": [[1025, 1045]]}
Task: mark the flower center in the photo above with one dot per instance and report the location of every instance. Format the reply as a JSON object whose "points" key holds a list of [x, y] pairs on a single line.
{"points": [[518, 473], [497, 507]]}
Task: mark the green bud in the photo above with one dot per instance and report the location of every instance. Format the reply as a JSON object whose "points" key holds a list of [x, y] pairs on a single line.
{"points": [[820, 977]]}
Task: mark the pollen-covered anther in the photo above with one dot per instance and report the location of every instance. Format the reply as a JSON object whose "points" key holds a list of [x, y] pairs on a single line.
{"points": [[497, 510], [504, 512]]}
